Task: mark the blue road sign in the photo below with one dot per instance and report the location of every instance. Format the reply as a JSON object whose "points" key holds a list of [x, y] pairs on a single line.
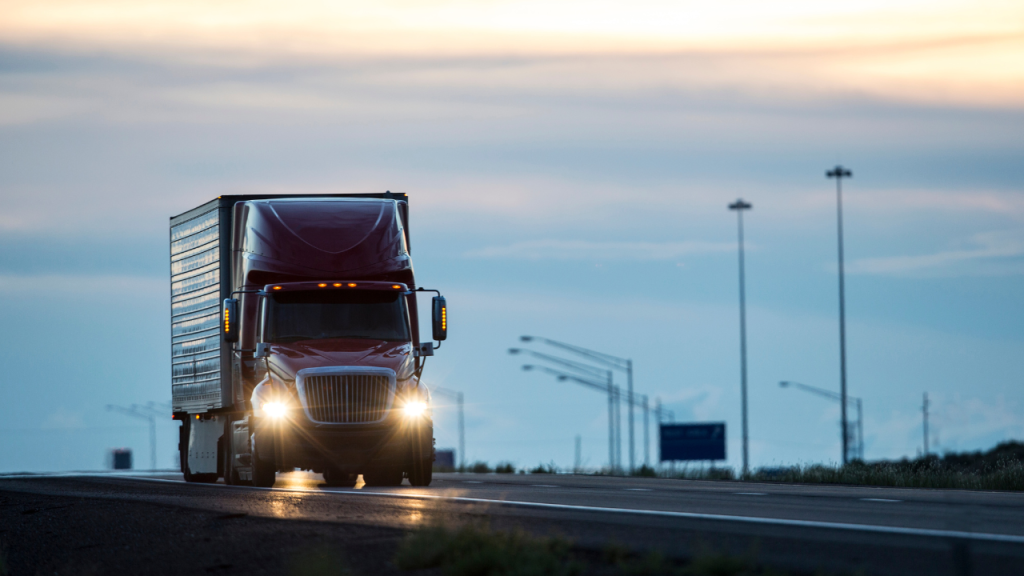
{"points": [[693, 441]]}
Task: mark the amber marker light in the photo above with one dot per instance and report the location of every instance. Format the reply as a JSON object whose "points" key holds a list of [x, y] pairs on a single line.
{"points": [[322, 285], [337, 285], [277, 287], [351, 284], [396, 286]]}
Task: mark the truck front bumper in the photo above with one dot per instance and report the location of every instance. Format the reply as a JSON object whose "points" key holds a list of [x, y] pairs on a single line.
{"points": [[348, 448]]}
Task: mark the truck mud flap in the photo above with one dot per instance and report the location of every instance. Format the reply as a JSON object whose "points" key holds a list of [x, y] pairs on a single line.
{"points": [[202, 444]]}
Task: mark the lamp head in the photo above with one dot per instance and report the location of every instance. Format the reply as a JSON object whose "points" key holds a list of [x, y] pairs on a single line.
{"points": [[526, 338], [514, 350]]}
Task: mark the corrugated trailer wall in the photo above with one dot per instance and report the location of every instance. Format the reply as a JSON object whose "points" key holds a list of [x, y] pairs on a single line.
{"points": [[200, 373]]}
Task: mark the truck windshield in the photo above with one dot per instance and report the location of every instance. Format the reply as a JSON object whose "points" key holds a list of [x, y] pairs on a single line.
{"points": [[316, 315]]}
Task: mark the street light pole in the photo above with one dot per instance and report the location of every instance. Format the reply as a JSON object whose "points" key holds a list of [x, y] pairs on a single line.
{"points": [[615, 362], [839, 173], [739, 206], [137, 413], [833, 396], [606, 386]]}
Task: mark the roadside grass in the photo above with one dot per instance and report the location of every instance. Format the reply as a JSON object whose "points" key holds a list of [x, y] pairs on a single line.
{"points": [[318, 561], [548, 468], [476, 550], [1001, 468], [923, 473], [505, 468]]}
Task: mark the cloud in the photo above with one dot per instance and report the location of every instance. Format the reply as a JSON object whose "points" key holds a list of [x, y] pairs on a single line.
{"points": [[997, 252], [12, 285], [587, 250]]}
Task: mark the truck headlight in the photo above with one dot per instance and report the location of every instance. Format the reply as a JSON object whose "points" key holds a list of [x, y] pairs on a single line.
{"points": [[273, 409], [414, 409]]}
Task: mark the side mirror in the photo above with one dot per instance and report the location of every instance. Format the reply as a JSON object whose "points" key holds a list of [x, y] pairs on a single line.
{"points": [[440, 318], [262, 350], [229, 320]]}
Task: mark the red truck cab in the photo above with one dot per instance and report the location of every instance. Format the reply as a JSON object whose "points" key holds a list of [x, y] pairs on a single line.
{"points": [[317, 356]]}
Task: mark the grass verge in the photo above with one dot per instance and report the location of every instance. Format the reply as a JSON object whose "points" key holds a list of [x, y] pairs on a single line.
{"points": [[476, 550]]}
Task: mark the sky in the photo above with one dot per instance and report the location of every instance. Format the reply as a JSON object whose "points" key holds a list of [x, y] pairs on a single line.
{"points": [[569, 165]]}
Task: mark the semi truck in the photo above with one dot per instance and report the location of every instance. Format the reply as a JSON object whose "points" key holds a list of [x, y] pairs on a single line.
{"points": [[295, 340]]}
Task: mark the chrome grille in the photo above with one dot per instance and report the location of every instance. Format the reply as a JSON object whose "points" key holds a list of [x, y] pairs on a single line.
{"points": [[347, 398]]}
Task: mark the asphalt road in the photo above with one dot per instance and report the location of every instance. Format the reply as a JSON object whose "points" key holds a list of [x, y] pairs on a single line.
{"points": [[802, 528]]}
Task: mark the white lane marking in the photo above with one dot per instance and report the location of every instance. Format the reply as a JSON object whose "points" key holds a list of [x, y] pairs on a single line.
{"points": [[879, 500], [638, 490], [543, 485], [983, 536], [472, 482], [750, 493]]}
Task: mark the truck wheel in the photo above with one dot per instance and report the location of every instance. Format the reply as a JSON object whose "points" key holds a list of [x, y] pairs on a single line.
{"points": [[383, 477], [337, 479], [421, 469], [422, 472], [264, 474]]}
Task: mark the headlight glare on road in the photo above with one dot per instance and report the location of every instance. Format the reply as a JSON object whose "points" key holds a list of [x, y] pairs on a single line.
{"points": [[273, 409], [414, 408]]}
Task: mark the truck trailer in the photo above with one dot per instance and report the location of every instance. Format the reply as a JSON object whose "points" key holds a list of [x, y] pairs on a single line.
{"points": [[295, 340]]}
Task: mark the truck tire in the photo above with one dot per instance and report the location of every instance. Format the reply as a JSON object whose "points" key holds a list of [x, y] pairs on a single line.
{"points": [[264, 474], [422, 472], [183, 433], [383, 477], [421, 469], [337, 479], [228, 469]]}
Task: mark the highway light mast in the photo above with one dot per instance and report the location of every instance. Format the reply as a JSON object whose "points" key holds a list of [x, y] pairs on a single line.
{"points": [[838, 398], [739, 206], [141, 412], [839, 173], [607, 386], [624, 364]]}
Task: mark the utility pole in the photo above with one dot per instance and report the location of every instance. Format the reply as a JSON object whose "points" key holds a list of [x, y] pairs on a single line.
{"points": [[739, 206], [647, 435], [924, 412], [578, 461], [462, 422], [619, 425], [629, 384], [839, 173], [860, 432]]}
